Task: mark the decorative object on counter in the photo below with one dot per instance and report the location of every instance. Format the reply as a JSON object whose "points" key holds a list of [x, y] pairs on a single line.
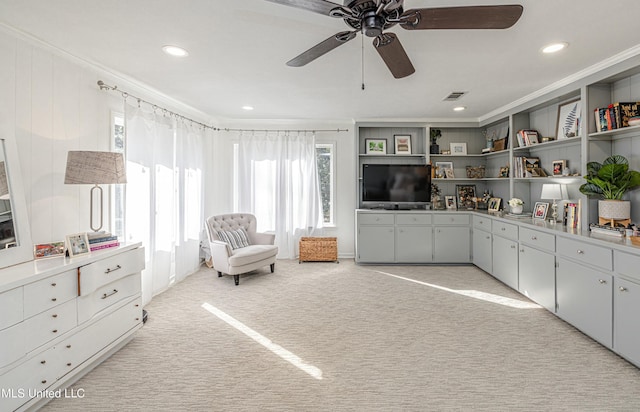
{"points": [[435, 134], [403, 144], [610, 181], [552, 191], [78, 244], [48, 250], [482, 203], [569, 120], [475, 172], [450, 202], [465, 195], [606, 230], [436, 201], [376, 146], [494, 204], [540, 210], [95, 168], [571, 215], [516, 205], [458, 149]]}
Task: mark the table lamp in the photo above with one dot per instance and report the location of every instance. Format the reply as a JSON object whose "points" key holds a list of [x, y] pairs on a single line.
{"points": [[554, 191], [95, 168]]}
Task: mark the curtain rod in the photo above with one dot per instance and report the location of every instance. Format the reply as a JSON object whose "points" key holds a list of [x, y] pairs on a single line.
{"points": [[104, 86]]}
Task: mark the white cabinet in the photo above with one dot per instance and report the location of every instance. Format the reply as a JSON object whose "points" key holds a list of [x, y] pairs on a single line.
{"points": [[584, 299], [505, 261], [537, 281], [414, 244], [376, 244], [482, 250], [64, 315], [452, 244], [626, 339]]}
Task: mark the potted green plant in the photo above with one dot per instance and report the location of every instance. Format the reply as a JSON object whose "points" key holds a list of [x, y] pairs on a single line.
{"points": [[610, 181], [435, 134]]}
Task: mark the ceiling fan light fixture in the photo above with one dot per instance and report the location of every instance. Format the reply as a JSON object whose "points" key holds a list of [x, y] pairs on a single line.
{"points": [[554, 47], [175, 51]]}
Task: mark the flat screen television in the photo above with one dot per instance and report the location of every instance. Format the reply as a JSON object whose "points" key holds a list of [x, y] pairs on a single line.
{"points": [[396, 186]]}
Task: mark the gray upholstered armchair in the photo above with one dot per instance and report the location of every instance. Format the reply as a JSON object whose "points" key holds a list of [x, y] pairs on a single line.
{"points": [[241, 248]]}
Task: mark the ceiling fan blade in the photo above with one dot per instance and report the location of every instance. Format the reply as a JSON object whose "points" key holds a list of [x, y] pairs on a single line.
{"points": [[393, 54], [322, 48], [472, 17], [317, 6]]}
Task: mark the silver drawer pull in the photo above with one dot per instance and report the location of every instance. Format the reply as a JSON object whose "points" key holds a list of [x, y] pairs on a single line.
{"points": [[503, 228], [623, 289], [44, 381], [68, 346], [534, 238], [69, 364], [109, 270], [513, 246], [580, 252], [521, 250], [43, 362], [55, 331], [602, 281], [488, 237], [106, 295], [54, 315], [54, 299], [53, 284]]}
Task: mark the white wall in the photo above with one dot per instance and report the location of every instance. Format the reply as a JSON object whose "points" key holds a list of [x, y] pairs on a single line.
{"points": [[51, 103], [218, 200]]}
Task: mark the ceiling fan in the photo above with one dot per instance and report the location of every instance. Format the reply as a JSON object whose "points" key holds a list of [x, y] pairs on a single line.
{"points": [[372, 17]]}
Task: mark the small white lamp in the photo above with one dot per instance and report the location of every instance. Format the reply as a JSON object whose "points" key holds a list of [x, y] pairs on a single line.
{"points": [[554, 191], [95, 168]]}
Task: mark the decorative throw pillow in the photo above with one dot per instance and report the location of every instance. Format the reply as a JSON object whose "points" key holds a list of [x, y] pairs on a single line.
{"points": [[234, 238]]}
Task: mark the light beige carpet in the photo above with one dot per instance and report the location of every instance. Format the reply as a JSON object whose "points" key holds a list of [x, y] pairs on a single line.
{"points": [[381, 343]]}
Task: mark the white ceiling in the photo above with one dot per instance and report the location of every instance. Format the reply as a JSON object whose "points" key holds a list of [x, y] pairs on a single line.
{"points": [[238, 51]]}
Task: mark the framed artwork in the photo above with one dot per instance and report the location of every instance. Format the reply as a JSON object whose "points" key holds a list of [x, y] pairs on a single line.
{"points": [[458, 149], [450, 202], [375, 146], [48, 250], [441, 167], [465, 195], [448, 173], [494, 204], [540, 210], [78, 244], [569, 120], [504, 171], [558, 167], [403, 143]]}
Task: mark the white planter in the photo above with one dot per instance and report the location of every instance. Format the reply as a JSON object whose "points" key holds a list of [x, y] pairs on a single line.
{"points": [[516, 210], [614, 209]]}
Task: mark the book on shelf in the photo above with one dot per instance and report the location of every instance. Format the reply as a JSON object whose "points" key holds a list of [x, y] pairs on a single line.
{"points": [[571, 215], [104, 245], [527, 137], [615, 115], [102, 239]]}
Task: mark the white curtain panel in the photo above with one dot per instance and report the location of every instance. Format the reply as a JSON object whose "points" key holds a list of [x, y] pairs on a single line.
{"points": [[278, 182], [163, 195]]}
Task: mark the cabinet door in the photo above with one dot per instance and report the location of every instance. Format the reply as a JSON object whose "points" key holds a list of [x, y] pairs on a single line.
{"points": [[505, 261], [482, 256], [537, 278], [414, 244], [626, 328], [584, 299], [376, 244], [452, 244]]}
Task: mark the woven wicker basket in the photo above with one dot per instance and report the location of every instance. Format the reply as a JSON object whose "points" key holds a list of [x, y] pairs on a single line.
{"points": [[318, 249]]}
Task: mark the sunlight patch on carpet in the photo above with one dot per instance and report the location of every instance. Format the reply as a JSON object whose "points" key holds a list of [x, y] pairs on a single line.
{"points": [[266, 342], [476, 294]]}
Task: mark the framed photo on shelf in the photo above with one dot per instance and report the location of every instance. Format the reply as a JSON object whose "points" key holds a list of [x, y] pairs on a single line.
{"points": [[458, 149], [441, 169], [558, 167], [403, 143], [465, 195], [540, 210], [494, 204], [375, 146], [78, 244], [448, 173], [504, 171], [450, 202], [48, 250], [569, 120]]}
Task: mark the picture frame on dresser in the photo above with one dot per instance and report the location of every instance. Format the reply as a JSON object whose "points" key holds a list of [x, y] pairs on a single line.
{"points": [[494, 204], [465, 195], [78, 244], [450, 202], [49, 250], [540, 210]]}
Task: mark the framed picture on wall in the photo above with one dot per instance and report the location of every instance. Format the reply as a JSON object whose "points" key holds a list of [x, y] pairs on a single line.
{"points": [[403, 143], [375, 146], [569, 120]]}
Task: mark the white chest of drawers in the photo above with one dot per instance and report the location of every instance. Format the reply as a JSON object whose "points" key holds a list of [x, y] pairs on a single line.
{"points": [[63, 317]]}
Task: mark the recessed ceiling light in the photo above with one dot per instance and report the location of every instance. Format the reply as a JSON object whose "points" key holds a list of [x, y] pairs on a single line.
{"points": [[555, 47], [175, 51], [459, 108], [247, 107]]}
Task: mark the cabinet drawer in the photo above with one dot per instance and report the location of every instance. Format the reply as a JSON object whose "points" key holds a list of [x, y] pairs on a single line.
{"points": [[538, 239], [375, 219], [482, 222], [47, 293], [451, 219], [107, 295], [586, 254], [508, 230], [83, 345], [627, 264], [10, 307], [105, 271], [12, 344], [413, 219], [50, 324]]}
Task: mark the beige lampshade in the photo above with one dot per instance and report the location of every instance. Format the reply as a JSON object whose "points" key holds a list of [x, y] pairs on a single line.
{"points": [[90, 167]]}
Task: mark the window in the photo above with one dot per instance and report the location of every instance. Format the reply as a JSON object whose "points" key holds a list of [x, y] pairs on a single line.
{"points": [[117, 191], [325, 156]]}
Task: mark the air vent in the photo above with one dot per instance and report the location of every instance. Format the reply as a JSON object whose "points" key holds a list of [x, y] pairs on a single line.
{"points": [[454, 96]]}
